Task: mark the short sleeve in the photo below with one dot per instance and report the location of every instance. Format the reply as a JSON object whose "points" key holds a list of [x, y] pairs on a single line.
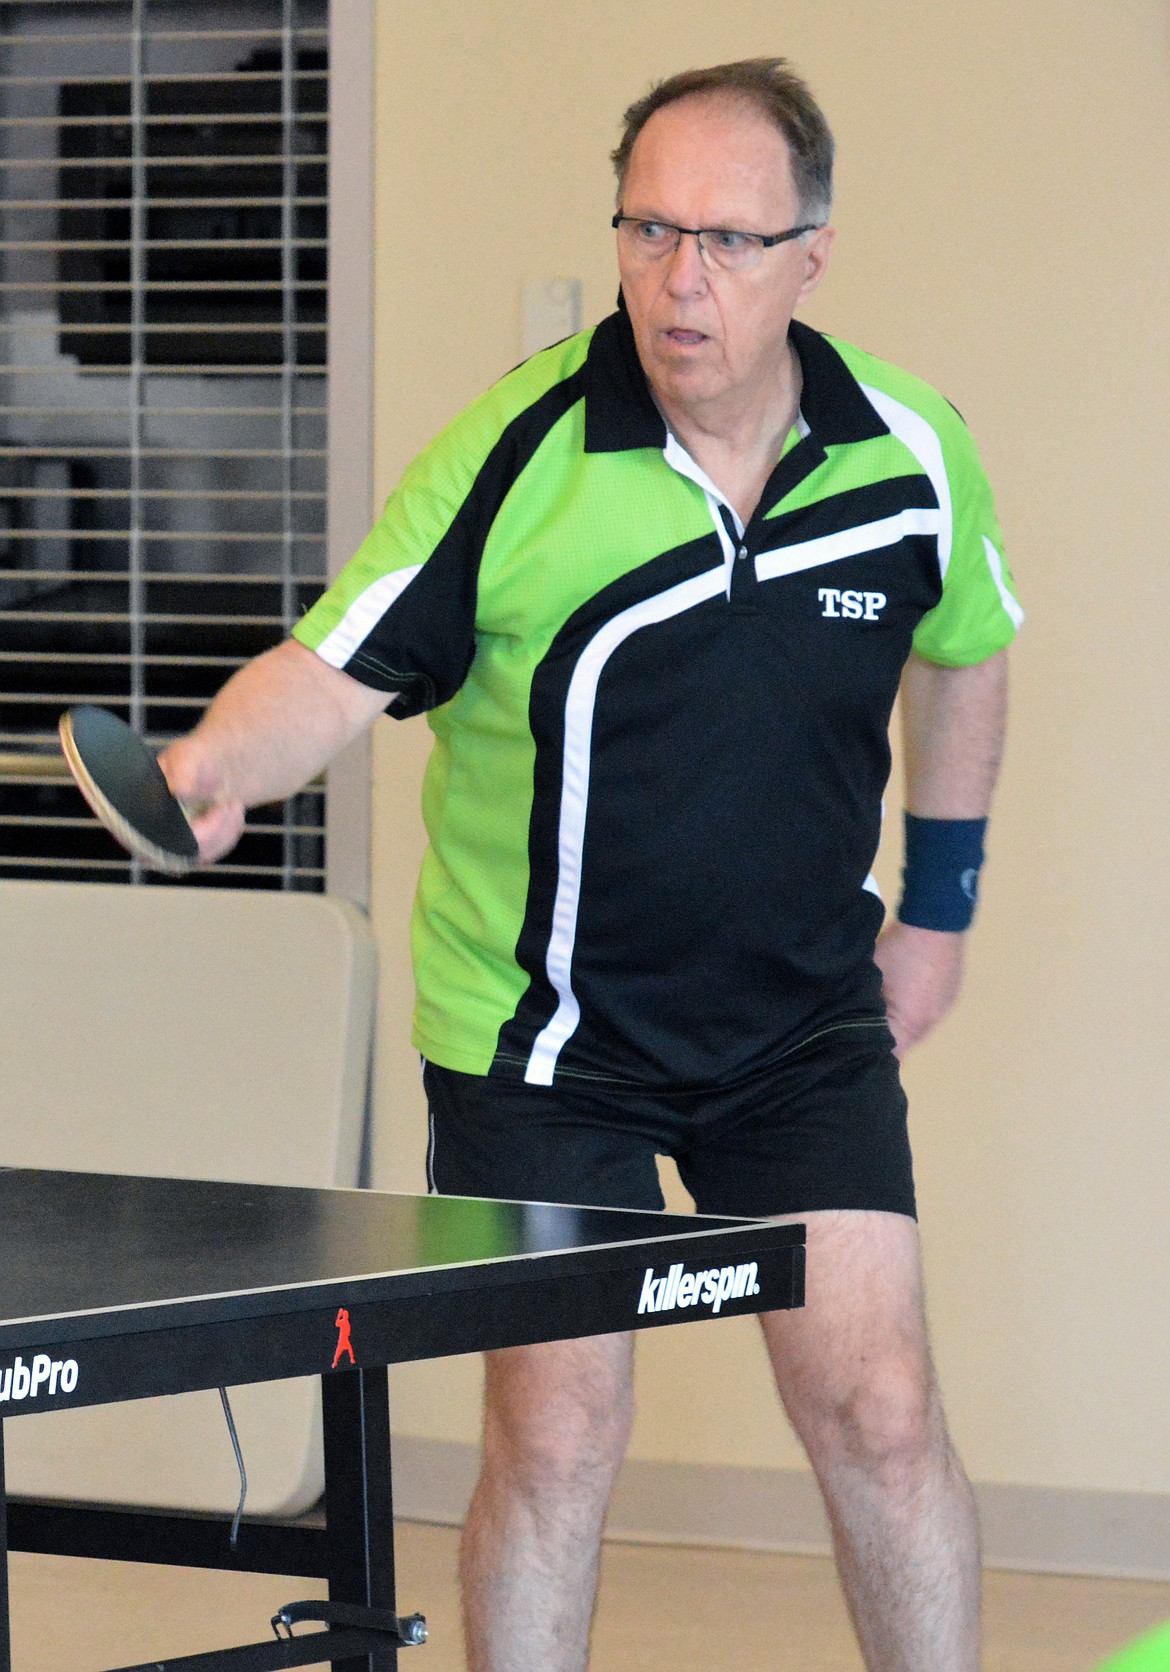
{"points": [[978, 613], [401, 616]]}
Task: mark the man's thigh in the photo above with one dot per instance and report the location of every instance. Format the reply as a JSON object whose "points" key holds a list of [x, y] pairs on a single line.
{"points": [[863, 1324]]}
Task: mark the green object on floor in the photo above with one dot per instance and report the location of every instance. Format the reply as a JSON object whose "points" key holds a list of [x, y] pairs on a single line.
{"points": [[1149, 1654]]}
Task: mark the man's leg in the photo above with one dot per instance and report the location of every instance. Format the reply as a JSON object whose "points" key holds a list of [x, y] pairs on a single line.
{"points": [[557, 1420], [853, 1369]]}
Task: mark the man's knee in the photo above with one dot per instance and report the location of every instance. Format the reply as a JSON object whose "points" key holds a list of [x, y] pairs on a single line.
{"points": [[558, 1417], [888, 1417], [853, 1367]]}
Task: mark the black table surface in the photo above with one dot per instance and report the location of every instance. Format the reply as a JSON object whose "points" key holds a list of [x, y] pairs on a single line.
{"points": [[85, 1255]]}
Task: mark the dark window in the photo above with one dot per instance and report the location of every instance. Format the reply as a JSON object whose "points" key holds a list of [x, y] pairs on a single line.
{"points": [[162, 390]]}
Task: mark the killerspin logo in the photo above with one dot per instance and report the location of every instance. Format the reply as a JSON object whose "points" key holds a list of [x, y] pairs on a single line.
{"points": [[678, 1289]]}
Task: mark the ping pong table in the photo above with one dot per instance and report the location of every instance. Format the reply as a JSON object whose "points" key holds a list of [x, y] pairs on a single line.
{"points": [[115, 1288]]}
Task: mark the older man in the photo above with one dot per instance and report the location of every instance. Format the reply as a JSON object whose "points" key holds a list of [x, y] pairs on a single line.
{"points": [[658, 589]]}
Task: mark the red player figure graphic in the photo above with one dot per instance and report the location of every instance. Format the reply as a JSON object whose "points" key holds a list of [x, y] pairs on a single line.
{"points": [[344, 1345]]}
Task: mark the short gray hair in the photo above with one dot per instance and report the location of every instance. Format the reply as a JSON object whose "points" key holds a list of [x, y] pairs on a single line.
{"points": [[774, 88]]}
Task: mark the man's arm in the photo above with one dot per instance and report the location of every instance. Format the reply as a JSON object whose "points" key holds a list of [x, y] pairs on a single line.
{"points": [[273, 727], [953, 722]]}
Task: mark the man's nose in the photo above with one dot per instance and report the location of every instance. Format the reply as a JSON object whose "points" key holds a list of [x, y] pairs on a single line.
{"points": [[688, 270]]}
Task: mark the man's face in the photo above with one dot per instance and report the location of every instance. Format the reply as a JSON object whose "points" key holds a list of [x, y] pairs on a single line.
{"points": [[707, 337]]}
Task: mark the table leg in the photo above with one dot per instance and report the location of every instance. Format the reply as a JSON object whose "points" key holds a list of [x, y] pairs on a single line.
{"points": [[5, 1636], [359, 1506]]}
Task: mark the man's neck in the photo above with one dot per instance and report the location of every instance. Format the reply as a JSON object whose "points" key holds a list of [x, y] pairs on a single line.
{"points": [[738, 441]]}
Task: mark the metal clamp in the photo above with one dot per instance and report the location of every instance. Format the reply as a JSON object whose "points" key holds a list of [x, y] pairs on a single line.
{"points": [[404, 1631]]}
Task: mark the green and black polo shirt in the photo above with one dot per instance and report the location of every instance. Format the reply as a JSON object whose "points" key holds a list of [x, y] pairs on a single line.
{"points": [[660, 737]]}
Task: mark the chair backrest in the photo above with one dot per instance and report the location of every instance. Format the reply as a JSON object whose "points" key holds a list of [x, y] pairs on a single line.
{"points": [[196, 1033]]}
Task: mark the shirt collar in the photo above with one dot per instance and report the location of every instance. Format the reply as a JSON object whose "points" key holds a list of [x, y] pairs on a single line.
{"points": [[834, 404], [620, 413]]}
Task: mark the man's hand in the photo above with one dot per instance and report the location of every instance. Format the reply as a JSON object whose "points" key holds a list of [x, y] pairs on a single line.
{"points": [[217, 831], [217, 824], [277, 722], [922, 971]]}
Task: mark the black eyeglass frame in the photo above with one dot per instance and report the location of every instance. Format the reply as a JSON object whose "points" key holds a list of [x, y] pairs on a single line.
{"points": [[766, 240]]}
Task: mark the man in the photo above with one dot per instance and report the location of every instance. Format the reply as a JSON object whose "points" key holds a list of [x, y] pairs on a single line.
{"points": [[658, 589]]}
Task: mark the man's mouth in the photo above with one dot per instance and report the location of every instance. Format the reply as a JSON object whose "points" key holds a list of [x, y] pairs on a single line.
{"points": [[684, 338]]}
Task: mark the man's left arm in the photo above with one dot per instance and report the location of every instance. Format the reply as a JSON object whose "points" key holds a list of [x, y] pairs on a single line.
{"points": [[953, 722]]}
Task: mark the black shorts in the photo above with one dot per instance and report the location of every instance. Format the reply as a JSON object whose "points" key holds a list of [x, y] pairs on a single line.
{"points": [[824, 1128]]}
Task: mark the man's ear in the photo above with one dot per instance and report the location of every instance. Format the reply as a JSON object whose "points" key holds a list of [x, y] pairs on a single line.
{"points": [[816, 259]]}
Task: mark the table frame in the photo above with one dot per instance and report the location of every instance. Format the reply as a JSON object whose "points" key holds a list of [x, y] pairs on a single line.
{"points": [[549, 1298], [353, 1551]]}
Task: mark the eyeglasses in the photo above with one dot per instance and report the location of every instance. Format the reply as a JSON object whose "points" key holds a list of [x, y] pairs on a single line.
{"points": [[719, 246]]}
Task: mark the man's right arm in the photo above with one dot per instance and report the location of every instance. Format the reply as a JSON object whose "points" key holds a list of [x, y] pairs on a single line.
{"points": [[275, 725]]}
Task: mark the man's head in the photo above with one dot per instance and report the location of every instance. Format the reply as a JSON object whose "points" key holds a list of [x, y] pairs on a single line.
{"points": [[708, 150], [778, 93]]}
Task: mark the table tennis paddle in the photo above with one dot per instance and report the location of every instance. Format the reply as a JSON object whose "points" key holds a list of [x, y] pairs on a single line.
{"points": [[122, 781]]}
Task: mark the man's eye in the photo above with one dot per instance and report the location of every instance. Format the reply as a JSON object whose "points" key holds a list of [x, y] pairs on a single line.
{"points": [[733, 242], [652, 232]]}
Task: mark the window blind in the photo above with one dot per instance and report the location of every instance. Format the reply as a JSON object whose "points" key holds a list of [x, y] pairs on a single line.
{"points": [[163, 438]]}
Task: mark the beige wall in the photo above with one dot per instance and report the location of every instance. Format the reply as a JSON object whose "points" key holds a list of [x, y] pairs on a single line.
{"points": [[1004, 232]]}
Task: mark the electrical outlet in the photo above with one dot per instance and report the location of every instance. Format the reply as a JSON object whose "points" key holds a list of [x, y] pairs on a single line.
{"points": [[551, 310]]}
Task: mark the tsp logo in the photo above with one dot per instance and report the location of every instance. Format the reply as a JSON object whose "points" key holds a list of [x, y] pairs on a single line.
{"points": [[344, 1344], [851, 606]]}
